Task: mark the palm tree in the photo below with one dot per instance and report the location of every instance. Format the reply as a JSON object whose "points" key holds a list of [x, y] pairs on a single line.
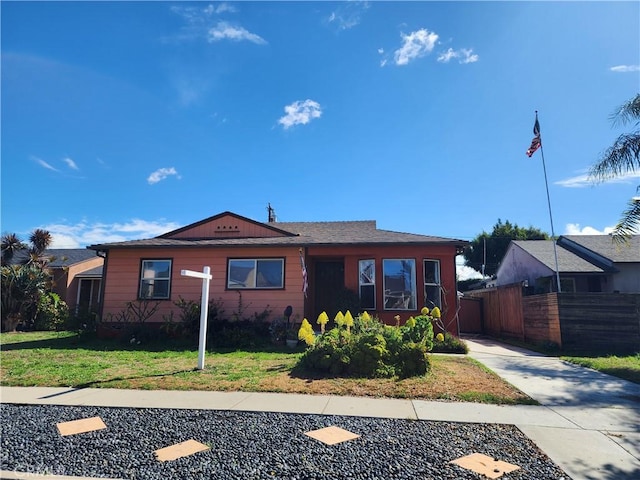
{"points": [[11, 244], [24, 283], [621, 158], [40, 241]]}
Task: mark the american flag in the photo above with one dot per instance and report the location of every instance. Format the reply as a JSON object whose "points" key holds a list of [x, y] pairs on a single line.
{"points": [[536, 142], [305, 283]]}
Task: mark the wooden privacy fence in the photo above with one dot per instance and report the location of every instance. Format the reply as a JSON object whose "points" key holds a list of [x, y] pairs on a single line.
{"points": [[502, 311], [577, 322], [600, 322]]}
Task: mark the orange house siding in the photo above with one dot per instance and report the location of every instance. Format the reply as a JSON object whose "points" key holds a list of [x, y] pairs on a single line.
{"points": [[66, 283], [226, 227], [123, 280], [444, 253]]}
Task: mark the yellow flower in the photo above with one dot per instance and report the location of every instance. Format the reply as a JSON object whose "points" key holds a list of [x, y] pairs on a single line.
{"points": [[339, 319], [305, 333], [440, 337], [435, 313], [424, 311], [348, 319], [323, 318], [365, 317], [411, 322]]}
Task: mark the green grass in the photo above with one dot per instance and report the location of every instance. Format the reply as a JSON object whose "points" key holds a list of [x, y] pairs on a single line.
{"points": [[63, 359], [623, 367]]}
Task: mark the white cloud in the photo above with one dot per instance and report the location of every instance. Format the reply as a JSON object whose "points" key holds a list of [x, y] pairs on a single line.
{"points": [[464, 55], [44, 164], [444, 57], [300, 113], [583, 180], [198, 20], [70, 163], [576, 229], [161, 174], [348, 15], [220, 8], [464, 272], [468, 56], [416, 44], [226, 31], [625, 68], [83, 233]]}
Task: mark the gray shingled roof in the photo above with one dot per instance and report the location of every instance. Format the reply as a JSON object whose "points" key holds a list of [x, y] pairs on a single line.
{"points": [[605, 246], [91, 273], [306, 233], [64, 257], [568, 262]]}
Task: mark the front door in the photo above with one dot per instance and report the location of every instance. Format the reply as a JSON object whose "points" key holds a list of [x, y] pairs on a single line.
{"points": [[328, 287]]}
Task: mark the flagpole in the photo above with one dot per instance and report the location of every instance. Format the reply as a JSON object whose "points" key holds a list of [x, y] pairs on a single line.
{"points": [[553, 234]]}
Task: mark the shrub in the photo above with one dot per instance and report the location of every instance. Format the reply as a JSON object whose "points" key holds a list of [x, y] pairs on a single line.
{"points": [[366, 347], [447, 343], [52, 313]]}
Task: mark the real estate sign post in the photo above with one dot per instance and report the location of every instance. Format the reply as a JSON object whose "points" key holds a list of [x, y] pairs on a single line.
{"points": [[205, 275]]}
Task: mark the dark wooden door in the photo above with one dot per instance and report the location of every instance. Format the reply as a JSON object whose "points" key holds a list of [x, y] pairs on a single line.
{"points": [[328, 285]]}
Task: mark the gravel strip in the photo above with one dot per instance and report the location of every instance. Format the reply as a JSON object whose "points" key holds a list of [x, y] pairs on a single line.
{"points": [[249, 445]]}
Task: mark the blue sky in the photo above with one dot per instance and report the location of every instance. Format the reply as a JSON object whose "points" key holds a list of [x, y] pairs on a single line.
{"points": [[125, 120]]}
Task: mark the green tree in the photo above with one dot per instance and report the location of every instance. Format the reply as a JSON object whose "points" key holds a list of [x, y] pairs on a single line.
{"points": [[11, 244], [22, 288], [621, 158], [496, 244], [23, 285]]}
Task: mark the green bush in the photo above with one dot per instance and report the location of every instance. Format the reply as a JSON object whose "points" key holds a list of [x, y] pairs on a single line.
{"points": [[372, 349], [450, 344], [52, 313]]}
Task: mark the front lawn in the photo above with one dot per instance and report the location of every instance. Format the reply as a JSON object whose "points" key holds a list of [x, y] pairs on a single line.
{"points": [[627, 367], [65, 359]]}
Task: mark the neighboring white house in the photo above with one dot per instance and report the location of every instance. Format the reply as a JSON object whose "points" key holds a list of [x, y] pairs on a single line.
{"points": [[587, 263]]}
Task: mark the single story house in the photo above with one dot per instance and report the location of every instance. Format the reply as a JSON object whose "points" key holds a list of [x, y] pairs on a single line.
{"points": [[76, 274], [586, 263], [310, 266], [77, 277]]}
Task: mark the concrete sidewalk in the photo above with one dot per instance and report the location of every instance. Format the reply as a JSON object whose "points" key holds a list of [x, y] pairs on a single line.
{"points": [[602, 440], [588, 424]]}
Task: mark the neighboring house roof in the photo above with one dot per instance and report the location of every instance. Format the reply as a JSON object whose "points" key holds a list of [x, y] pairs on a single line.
{"points": [[91, 273], [65, 257], [290, 234], [568, 262], [602, 248], [60, 257]]}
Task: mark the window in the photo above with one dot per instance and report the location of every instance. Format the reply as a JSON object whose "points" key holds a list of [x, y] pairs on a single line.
{"points": [[432, 293], [255, 273], [399, 276], [568, 284], [155, 279], [88, 294], [367, 269]]}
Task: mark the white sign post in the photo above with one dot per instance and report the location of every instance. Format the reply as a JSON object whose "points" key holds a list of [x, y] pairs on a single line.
{"points": [[205, 275]]}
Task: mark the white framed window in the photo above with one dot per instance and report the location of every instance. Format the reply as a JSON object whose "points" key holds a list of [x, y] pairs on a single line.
{"points": [[367, 284], [255, 273], [155, 279], [432, 286], [399, 278]]}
